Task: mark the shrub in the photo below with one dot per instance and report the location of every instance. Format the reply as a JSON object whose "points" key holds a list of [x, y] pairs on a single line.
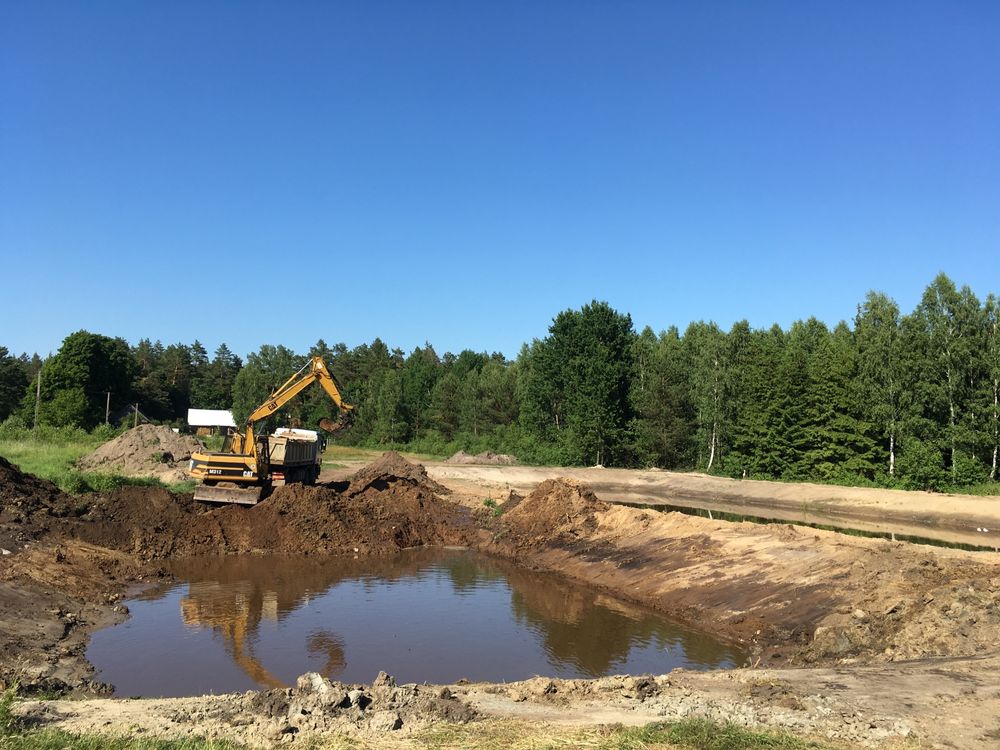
{"points": [[921, 466], [105, 432], [14, 428]]}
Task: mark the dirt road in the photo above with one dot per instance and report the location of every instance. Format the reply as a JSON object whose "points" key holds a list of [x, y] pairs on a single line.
{"points": [[964, 519]]}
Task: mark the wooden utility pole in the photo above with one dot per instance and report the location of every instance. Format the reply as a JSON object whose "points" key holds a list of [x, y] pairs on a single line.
{"points": [[107, 408]]}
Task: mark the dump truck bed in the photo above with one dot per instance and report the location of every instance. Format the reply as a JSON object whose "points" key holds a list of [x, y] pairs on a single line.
{"points": [[292, 450]]}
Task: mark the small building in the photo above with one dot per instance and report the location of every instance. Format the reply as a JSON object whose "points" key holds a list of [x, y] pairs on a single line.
{"points": [[211, 421]]}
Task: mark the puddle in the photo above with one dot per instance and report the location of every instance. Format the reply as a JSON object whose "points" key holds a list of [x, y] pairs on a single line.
{"points": [[434, 615]]}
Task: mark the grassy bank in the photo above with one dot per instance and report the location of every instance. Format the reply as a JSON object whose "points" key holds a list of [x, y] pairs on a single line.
{"points": [[52, 453], [688, 734]]}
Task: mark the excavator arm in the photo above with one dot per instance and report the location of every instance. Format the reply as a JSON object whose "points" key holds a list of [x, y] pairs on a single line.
{"points": [[241, 463], [313, 371]]}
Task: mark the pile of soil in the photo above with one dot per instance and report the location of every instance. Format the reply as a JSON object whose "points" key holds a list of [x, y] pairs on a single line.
{"points": [[144, 451], [316, 709], [388, 505], [23, 495], [392, 468], [486, 457], [556, 508], [317, 704], [27, 506]]}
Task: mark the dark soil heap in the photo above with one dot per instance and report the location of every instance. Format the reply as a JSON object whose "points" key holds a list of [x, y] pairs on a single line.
{"points": [[390, 469], [22, 495], [389, 505]]}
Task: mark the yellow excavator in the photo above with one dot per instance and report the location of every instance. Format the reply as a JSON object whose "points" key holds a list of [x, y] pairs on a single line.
{"points": [[249, 465]]}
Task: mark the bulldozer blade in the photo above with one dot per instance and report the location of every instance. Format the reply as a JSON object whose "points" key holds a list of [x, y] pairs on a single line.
{"points": [[237, 495]]}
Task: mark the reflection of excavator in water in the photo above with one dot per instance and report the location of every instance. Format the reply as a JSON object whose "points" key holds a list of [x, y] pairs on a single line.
{"points": [[249, 465], [235, 613]]}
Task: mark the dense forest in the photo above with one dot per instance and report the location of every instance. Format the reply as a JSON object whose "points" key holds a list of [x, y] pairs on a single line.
{"points": [[908, 400]]}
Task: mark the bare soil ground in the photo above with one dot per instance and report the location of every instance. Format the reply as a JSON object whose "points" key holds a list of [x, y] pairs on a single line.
{"points": [[486, 458], [144, 451], [967, 519], [861, 640]]}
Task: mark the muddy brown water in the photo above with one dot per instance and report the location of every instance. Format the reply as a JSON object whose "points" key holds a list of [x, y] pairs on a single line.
{"points": [[437, 615]]}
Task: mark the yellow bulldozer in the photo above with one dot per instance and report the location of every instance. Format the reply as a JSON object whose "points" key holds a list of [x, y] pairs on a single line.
{"points": [[249, 465]]}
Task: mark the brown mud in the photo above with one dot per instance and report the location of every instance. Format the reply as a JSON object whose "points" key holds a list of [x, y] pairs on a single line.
{"points": [[794, 596]]}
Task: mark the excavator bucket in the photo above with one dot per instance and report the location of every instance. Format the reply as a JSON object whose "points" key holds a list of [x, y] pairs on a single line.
{"points": [[231, 494], [345, 420]]}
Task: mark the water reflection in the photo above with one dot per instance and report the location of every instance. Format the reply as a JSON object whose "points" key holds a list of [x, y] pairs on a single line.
{"points": [[430, 614]]}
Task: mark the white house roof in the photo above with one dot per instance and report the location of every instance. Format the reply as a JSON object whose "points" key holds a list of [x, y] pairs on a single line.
{"points": [[210, 418]]}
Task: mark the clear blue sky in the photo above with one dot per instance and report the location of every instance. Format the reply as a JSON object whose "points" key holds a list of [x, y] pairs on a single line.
{"points": [[459, 172]]}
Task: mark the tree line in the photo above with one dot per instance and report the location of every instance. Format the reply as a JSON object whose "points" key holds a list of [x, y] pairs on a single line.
{"points": [[908, 400]]}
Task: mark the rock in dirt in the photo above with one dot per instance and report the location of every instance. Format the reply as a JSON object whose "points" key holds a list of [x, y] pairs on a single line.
{"points": [[486, 457], [144, 451], [379, 707]]}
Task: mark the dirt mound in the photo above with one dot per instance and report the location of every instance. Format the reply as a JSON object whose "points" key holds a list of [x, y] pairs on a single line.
{"points": [[144, 451], [147, 522], [318, 705], [393, 505], [28, 506], [555, 507], [318, 520], [486, 457], [22, 495], [392, 468]]}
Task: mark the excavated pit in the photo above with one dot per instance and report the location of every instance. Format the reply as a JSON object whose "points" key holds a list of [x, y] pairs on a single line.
{"points": [[789, 595]]}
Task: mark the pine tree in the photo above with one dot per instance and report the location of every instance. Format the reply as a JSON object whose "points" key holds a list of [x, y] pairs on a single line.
{"points": [[757, 440], [13, 383], [665, 420]]}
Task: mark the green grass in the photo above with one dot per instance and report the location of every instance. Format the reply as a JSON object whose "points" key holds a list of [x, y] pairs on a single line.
{"points": [[49, 739], [14, 736], [7, 721], [685, 734], [54, 457], [45, 458], [703, 734], [212, 443]]}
